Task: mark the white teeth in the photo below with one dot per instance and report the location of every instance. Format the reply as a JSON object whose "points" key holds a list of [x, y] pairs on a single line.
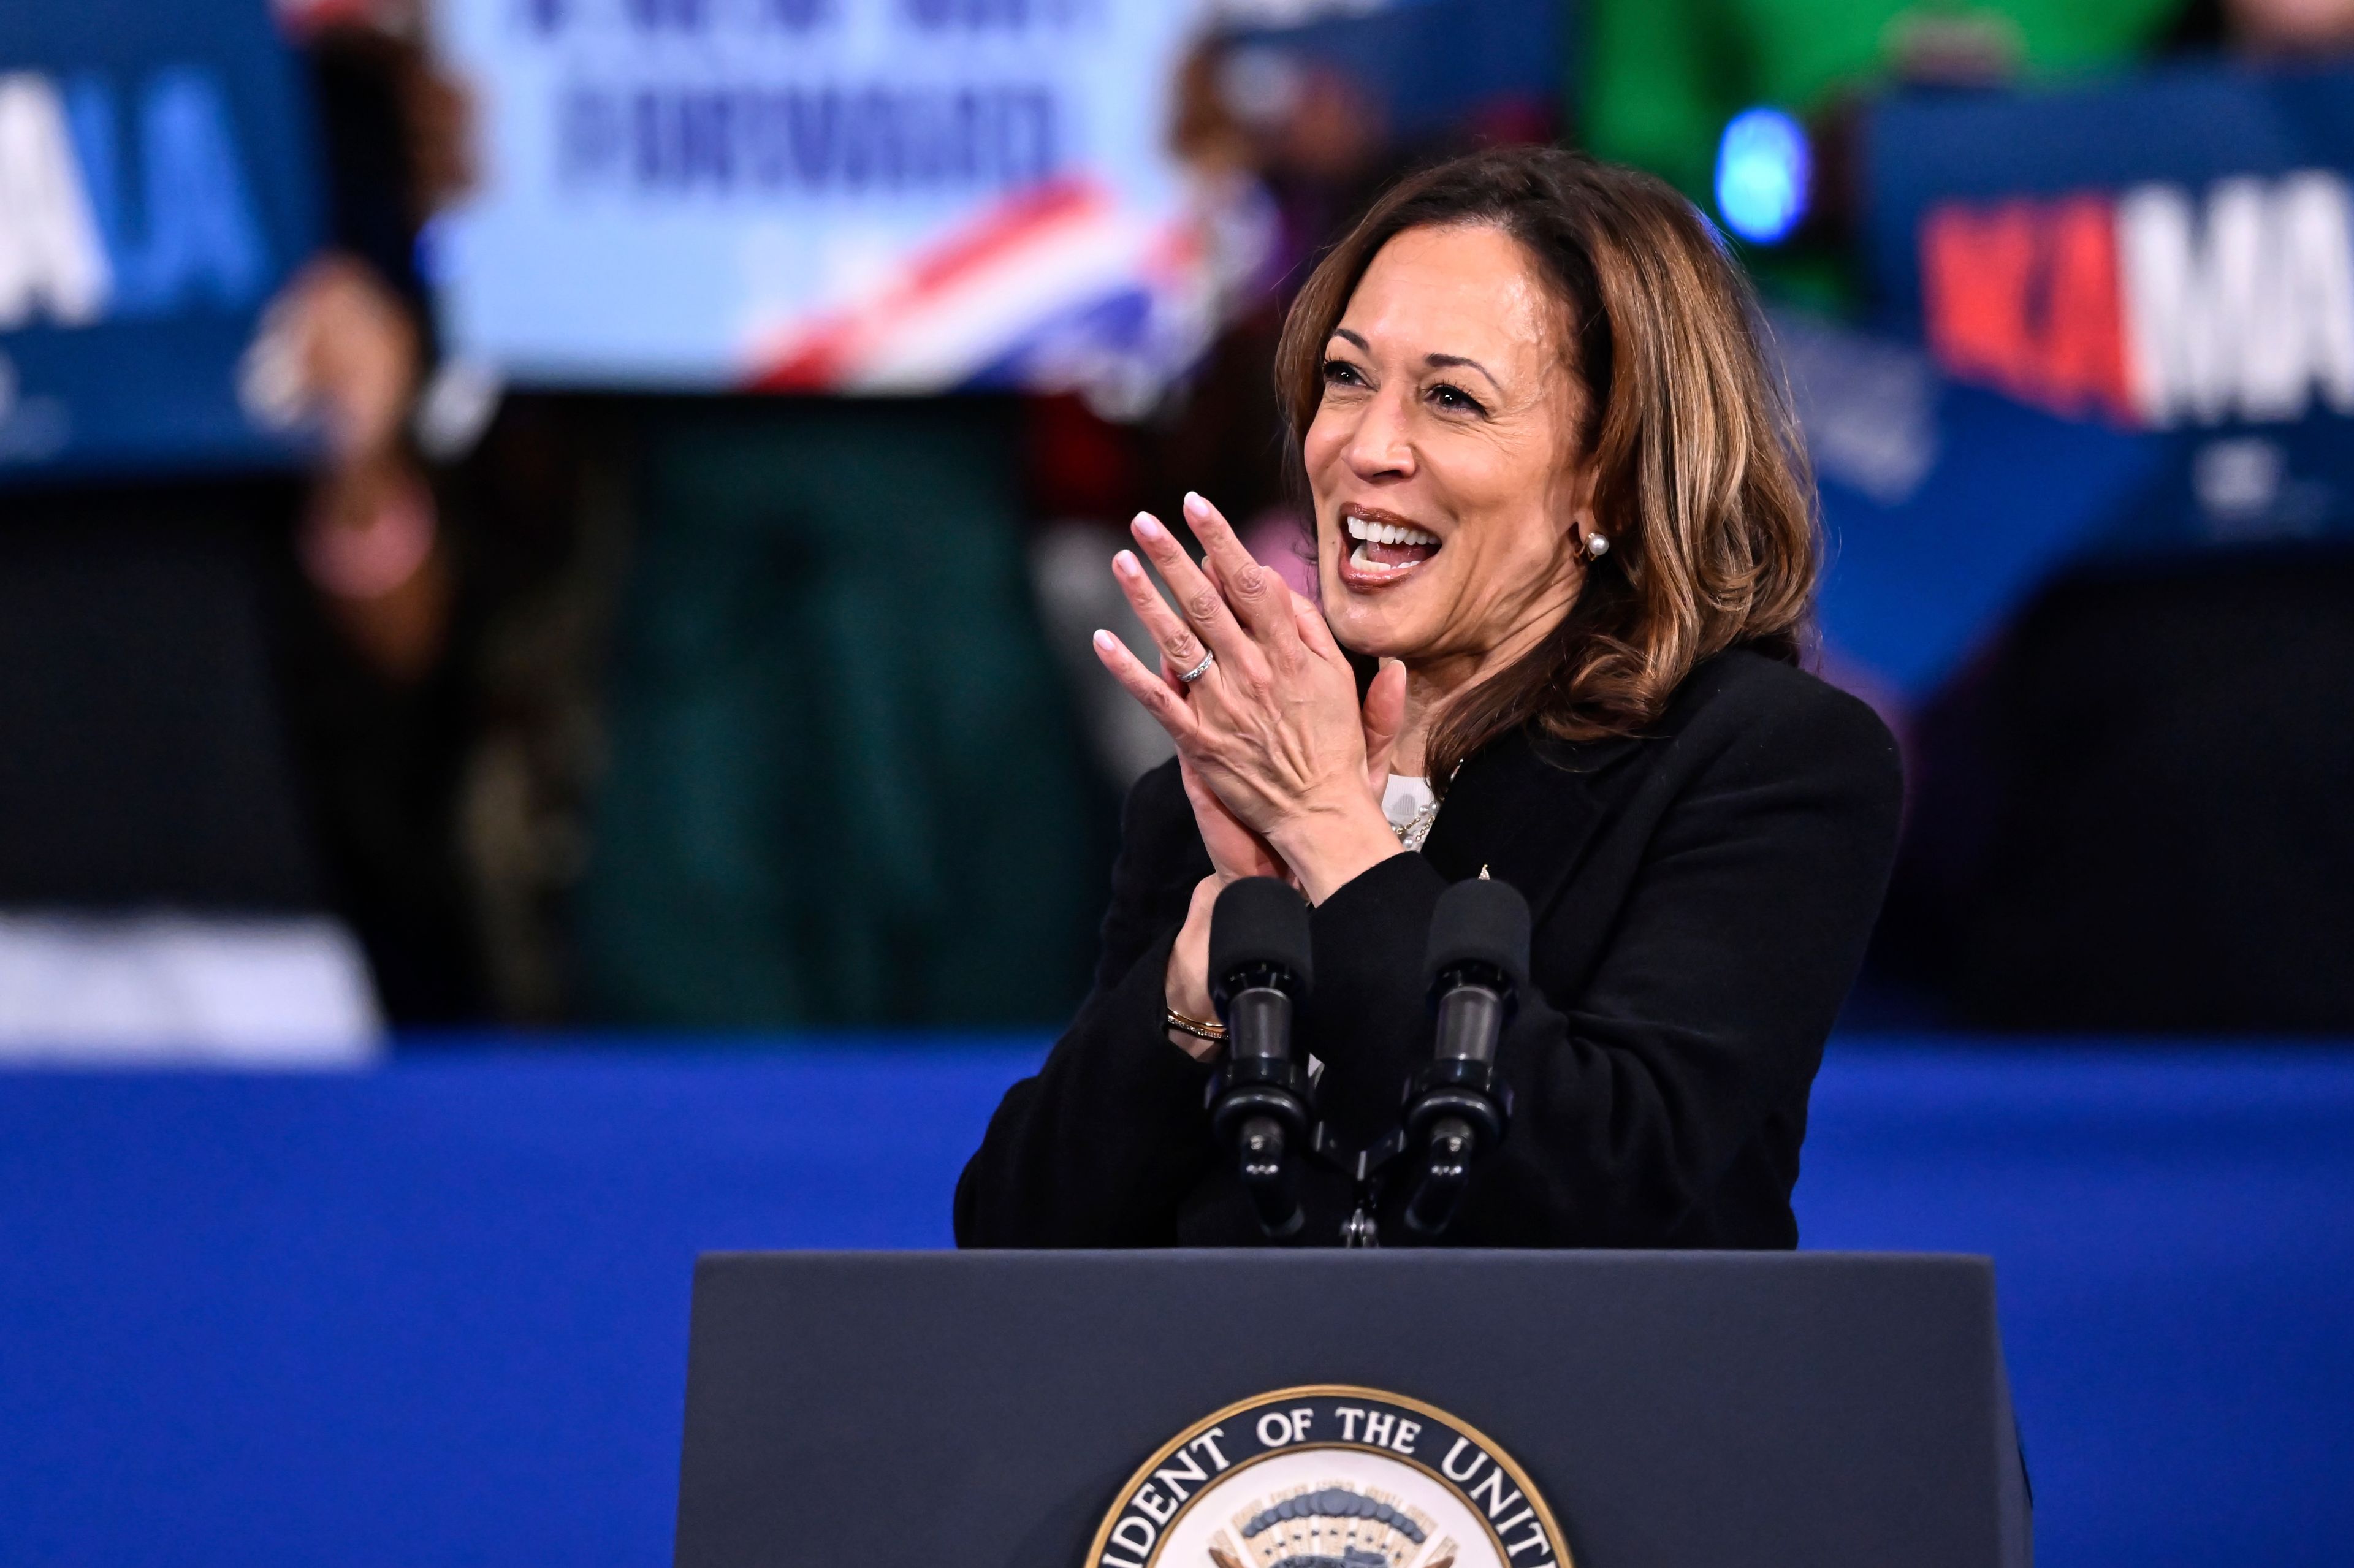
{"points": [[1389, 533]]}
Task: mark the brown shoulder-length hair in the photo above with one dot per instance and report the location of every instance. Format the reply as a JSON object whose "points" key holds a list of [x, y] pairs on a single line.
{"points": [[1701, 483]]}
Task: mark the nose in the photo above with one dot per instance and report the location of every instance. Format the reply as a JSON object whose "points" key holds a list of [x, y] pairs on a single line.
{"points": [[1380, 446]]}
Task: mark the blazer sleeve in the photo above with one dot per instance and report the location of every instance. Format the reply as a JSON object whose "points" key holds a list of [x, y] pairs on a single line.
{"points": [[1102, 1146], [1703, 1014]]}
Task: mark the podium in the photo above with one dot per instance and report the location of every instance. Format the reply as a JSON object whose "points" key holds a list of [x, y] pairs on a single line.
{"points": [[1671, 1410]]}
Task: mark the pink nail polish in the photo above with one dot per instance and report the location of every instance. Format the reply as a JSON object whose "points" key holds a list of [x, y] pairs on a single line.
{"points": [[1194, 505], [1149, 528], [1107, 641]]}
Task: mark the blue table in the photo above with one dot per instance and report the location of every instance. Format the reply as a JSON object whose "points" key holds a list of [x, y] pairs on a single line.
{"points": [[436, 1313]]}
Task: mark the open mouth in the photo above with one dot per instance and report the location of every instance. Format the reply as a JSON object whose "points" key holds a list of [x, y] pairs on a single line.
{"points": [[1385, 547]]}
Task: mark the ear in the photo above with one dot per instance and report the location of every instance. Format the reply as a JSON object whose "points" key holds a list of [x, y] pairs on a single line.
{"points": [[1581, 524]]}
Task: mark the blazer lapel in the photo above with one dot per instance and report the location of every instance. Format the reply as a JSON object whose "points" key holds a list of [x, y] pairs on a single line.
{"points": [[1523, 808]]}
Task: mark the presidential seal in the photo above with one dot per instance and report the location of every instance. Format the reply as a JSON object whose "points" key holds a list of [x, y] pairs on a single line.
{"points": [[1330, 1477]]}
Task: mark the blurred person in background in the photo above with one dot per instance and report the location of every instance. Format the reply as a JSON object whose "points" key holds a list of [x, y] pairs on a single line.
{"points": [[2268, 30], [2130, 812], [235, 698], [375, 658]]}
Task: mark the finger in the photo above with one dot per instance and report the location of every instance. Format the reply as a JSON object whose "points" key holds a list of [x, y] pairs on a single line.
{"points": [[1384, 718], [1258, 594], [1163, 702], [1180, 649], [1315, 633], [1198, 599]]}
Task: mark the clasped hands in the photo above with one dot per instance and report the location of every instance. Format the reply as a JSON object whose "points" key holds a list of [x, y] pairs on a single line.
{"points": [[1284, 768]]}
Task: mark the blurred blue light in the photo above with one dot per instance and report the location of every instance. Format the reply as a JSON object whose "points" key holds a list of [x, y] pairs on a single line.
{"points": [[1762, 170]]}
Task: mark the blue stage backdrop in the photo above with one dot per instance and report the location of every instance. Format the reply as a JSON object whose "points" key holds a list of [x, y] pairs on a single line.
{"points": [[156, 187], [436, 1313]]}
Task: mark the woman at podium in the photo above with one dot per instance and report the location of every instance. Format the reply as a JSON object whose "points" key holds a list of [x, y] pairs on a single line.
{"points": [[1560, 506]]}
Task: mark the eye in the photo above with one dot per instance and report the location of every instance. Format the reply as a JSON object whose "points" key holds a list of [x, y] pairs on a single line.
{"points": [[1341, 373], [1454, 400]]}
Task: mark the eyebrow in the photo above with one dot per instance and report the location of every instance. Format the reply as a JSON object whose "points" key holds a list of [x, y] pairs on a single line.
{"points": [[1436, 361], [1448, 361]]}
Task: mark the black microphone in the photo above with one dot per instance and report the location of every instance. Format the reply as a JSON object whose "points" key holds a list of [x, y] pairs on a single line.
{"points": [[1260, 974], [1458, 1107]]}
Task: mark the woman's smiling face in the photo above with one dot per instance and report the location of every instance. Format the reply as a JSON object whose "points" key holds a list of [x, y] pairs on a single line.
{"points": [[1444, 454]]}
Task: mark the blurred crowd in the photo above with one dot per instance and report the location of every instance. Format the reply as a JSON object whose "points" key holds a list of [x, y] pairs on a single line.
{"points": [[536, 708]]}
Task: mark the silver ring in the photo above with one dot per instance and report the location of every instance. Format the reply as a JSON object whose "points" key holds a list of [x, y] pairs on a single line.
{"points": [[1200, 670]]}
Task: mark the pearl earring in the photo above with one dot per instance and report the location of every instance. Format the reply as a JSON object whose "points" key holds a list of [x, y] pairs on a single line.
{"points": [[1596, 547]]}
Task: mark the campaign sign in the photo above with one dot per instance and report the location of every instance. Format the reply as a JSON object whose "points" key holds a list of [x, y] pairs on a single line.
{"points": [[2169, 251], [855, 195], [2125, 316], [156, 188]]}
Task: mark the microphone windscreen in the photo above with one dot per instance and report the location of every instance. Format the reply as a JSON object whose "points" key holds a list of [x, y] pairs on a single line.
{"points": [[1259, 923], [1483, 922]]}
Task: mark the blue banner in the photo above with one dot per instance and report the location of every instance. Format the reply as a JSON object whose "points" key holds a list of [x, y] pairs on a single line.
{"points": [[156, 189], [2124, 318]]}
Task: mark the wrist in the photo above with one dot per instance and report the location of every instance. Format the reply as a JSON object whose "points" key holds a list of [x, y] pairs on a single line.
{"points": [[1328, 849], [1185, 986]]}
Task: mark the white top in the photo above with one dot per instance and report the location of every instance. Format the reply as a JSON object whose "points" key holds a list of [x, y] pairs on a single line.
{"points": [[1402, 800], [218, 990]]}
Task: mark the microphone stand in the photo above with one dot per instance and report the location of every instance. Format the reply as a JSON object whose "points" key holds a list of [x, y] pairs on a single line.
{"points": [[1368, 1168], [1261, 1102], [1458, 1107], [1260, 965]]}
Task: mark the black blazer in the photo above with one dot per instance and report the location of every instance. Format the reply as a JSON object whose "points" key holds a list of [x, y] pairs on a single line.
{"points": [[1702, 896]]}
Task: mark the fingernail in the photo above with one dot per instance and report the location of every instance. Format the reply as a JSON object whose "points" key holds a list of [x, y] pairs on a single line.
{"points": [[1194, 505], [1126, 561], [1149, 527], [1106, 640]]}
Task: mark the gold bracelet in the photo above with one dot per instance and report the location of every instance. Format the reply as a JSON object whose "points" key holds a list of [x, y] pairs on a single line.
{"points": [[1200, 1029]]}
